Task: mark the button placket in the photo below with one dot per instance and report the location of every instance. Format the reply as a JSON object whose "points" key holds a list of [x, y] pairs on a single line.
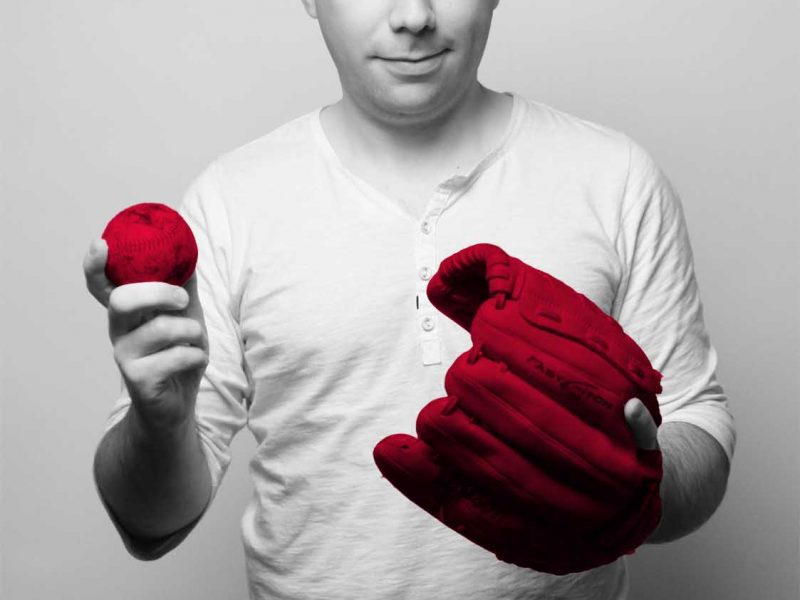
{"points": [[425, 256]]}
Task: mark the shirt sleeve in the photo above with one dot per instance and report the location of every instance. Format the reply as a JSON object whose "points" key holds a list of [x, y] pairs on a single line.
{"points": [[225, 391], [658, 302]]}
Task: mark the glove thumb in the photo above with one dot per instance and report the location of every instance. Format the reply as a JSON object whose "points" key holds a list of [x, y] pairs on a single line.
{"points": [[468, 278]]}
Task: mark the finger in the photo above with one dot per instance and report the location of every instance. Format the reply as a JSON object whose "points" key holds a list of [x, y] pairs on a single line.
{"points": [[150, 372], [94, 271], [131, 304], [644, 429], [536, 425], [163, 331], [194, 308], [503, 472]]}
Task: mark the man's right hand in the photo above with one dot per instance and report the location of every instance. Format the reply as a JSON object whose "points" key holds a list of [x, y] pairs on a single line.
{"points": [[160, 341]]}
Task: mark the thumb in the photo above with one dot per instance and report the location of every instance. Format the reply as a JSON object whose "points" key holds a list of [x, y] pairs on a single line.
{"points": [[644, 428], [94, 271], [194, 309]]}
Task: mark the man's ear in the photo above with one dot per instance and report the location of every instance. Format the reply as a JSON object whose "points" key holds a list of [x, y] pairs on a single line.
{"points": [[311, 7]]}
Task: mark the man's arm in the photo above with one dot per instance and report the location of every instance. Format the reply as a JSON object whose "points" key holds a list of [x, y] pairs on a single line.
{"points": [[694, 480], [155, 482]]}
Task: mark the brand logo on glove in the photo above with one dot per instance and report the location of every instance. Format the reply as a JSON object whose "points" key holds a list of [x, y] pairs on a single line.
{"points": [[581, 389], [585, 391]]}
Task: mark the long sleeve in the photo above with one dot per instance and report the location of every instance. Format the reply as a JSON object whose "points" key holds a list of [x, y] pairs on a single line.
{"points": [[658, 302], [225, 389]]}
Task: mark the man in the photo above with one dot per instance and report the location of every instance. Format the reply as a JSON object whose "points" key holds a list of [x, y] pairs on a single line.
{"points": [[307, 319]]}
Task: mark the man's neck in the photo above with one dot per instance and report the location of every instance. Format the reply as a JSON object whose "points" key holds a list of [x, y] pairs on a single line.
{"points": [[419, 142]]}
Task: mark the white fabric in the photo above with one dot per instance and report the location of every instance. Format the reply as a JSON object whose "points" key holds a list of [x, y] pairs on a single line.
{"points": [[310, 277]]}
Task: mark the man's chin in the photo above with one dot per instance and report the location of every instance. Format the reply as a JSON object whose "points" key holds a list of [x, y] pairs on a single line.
{"points": [[412, 104]]}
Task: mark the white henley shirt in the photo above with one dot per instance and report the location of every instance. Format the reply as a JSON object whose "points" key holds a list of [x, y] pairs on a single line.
{"points": [[322, 340]]}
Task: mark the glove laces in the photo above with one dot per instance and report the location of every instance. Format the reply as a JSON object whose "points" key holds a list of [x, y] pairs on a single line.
{"points": [[498, 275]]}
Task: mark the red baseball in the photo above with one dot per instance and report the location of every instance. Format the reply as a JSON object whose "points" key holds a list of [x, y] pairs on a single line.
{"points": [[149, 242]]}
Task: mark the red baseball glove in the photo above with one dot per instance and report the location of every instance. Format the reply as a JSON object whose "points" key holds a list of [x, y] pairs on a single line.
{"points": [[529, 455]]}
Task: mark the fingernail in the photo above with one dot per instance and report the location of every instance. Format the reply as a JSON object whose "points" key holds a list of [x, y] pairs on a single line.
{"points": [[633, 411]]}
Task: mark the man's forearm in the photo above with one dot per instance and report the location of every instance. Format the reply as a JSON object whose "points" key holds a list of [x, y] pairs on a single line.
{"points": [[694, 481], [154, 483]]}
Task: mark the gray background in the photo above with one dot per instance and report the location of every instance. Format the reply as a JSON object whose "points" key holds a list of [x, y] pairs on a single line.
{"points": [[109, 103]]}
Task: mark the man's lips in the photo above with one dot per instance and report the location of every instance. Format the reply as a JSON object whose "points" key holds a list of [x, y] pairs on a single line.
{"points": [[412, 58]]}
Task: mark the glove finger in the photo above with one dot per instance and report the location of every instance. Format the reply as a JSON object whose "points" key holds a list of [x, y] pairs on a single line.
{"points": [[411, 466], [584, 321], [466, 279], [637, 520], [421, 475], [551, 305], [598, 406], [563, 369], [537, 426], [502, 532], [503, 472], [516, 538]]}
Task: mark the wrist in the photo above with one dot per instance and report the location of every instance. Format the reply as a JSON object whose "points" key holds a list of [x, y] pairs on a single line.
{"points": [[152, 432]]}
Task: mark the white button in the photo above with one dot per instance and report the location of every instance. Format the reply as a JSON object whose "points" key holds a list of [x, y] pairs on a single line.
{"points": [[428, 323], [425, 273], [426, 227]]}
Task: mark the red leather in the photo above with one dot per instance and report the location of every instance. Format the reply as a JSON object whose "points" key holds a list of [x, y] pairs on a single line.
{"points": [[529, 454]]}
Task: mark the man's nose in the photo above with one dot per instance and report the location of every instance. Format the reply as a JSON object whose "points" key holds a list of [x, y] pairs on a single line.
{"points": [[412, 15]]}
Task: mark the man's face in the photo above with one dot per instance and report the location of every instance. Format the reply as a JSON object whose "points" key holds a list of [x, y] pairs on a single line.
{"points": [[404, 57]]}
